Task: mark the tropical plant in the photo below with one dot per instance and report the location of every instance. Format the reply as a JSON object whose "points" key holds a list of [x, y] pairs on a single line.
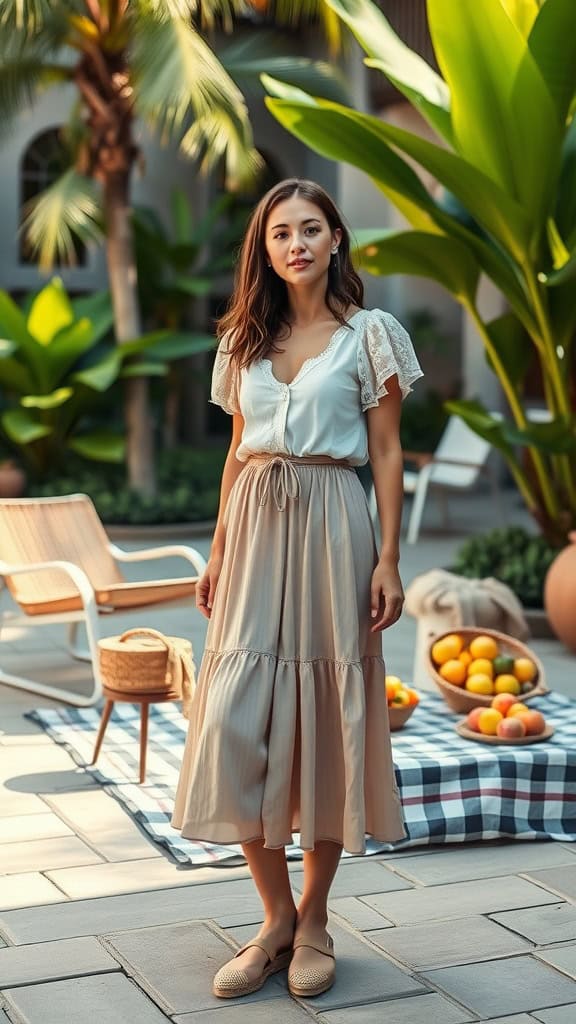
{"points": [[128, 59], [58, 364], [503, 107], [511, 555]]}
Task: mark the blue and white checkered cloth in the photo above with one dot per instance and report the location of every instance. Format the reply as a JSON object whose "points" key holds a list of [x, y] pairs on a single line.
{"points": [[453, 790]]}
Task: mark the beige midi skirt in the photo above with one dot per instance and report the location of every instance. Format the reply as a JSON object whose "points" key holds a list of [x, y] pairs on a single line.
{"points": [[289, 724]]}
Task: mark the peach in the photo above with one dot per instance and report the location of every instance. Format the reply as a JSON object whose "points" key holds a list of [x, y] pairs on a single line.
{"points": [[472, 718], [534, 722], [503, 702], [517, 709], [488, 721], [511, 728]]}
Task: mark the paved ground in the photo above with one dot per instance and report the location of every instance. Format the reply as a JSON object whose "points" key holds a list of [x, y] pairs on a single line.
{"points": [[96, 923]]}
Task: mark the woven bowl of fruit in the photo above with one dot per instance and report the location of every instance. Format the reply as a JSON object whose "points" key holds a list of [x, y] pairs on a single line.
{"points": [[402, 702], [473, 665]]}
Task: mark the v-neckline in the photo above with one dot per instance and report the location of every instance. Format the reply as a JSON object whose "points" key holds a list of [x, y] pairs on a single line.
{"points": [[311, 360]]}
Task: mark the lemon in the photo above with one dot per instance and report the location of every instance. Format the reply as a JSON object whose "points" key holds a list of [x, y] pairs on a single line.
{"points": [[484, 647], [506, 684], [481, 665], [447, 647], [488, 721], [480, 683], [393, 685], [524, 670]]}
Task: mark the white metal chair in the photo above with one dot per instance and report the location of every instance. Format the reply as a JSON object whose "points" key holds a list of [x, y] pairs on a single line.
{"points": [[60, 567], [456, 465]]}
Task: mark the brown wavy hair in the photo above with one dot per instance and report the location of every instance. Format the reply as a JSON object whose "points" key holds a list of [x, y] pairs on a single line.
{"points": [[258, 308]]}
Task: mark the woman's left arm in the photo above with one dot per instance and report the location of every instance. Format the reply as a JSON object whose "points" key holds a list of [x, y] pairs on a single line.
{"points": [[385, 453]]}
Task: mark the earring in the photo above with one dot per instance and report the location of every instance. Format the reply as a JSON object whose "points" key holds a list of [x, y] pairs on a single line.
{"points": [[268, 264], [335, 251]]}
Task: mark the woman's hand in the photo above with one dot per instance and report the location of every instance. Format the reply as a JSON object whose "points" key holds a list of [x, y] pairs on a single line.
{"points": [[206, 586], [387, 596]]}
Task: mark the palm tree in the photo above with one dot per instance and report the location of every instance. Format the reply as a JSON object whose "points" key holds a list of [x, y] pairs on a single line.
{"points": [[130, 59]]}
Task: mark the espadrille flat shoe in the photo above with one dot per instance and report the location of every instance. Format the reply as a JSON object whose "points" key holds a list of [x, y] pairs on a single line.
{"points": [[317, 975], [231, 981]]}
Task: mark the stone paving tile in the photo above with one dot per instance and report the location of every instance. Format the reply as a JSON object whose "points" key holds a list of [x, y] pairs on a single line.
{"points": [[517, 1018], [429, 1008], [563, 958], [559, 880], [440, 944], [119, 877], [3, 1018], [263, 1012], [175, 965], [48, 854], [362, 975], [519, 984], [136, 910], [461, 899], [359, 879], [19, 731], [28, 890], [483, 862], [50, 961], [358, 914], [558, 1015], [17, 828], [100, 819], [104, 997], [13, 802], [542, 925]]}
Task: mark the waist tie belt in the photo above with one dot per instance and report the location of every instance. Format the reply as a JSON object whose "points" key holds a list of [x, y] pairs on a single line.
{"points": [[280, 477]]}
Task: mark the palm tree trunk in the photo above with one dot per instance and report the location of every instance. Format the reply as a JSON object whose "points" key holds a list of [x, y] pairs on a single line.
{"points": [[123, 286]]}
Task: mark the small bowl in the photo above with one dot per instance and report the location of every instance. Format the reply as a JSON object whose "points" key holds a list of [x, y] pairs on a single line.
{"points": [[398, 716], [460, 699]]}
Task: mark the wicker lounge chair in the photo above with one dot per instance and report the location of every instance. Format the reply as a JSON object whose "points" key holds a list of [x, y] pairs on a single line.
{"points": [[59, 566]]}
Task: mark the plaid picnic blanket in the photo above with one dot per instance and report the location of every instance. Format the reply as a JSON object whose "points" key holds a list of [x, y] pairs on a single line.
{"points": [[453, 790]]}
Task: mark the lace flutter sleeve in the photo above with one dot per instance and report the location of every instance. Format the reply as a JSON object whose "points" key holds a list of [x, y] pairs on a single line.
{"points": [[225, 380], [384, 349]]}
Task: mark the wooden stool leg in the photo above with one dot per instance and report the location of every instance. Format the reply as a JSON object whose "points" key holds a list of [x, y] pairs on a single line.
{"points": [[108, 708], [143, 739]]}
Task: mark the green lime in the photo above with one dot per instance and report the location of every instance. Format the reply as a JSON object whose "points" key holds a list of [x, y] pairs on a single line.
{"points": [[503, 664]]}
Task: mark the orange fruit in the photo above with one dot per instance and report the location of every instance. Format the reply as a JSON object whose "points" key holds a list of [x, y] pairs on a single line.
{"points": [[413, 695], [447, 647], [534, 722], [401, 698], [524, 670], [517, 709], [503, 702], [480, 683], [506, 684], [453, 671], [488, 721], [481, 665], [393, 684], [465, 657], [484, 647]]}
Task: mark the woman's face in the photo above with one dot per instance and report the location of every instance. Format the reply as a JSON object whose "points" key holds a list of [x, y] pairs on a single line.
{"points": [[299, 242]]}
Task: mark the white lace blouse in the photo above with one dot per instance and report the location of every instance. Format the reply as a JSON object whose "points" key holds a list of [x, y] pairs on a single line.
{"points": [[321, 411]]}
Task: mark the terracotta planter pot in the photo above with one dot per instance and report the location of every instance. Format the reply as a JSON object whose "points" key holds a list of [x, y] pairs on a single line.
{"points": [[12, 480], [560, 594]]}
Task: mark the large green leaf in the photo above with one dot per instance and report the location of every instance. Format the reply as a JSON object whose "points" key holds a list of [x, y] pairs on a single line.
{"points": [[102, 374], [97, 308], [13, 327], [565, 214], [15, 376], [513, 347], [247, 58], [51, 310], [437, 257], [144, 369], [43, 402], [22, 428], [167, 345], [552, 44], [503, 117], [522, 13], [409, 72], [555, 437], [69, 345], [481, 421], [100, 446]]}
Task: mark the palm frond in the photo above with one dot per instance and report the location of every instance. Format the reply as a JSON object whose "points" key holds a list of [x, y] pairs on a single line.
{"points": [[26, 15], [21, 81], [262, 52], [66, 210], [299, 13], [178, 79]]}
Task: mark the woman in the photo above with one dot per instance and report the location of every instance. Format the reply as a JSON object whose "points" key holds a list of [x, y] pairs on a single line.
{"points": [[289, 727]]}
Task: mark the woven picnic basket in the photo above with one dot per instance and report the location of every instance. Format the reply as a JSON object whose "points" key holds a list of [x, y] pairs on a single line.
{"points": [[145, 662], [460, 699]]}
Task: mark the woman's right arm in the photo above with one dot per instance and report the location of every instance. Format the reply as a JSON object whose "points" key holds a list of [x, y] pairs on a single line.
{"points": [[206, 586]]}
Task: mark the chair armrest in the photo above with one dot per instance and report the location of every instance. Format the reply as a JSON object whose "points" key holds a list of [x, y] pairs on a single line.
{"points": [[164, 551], [479, 467], [420, 458], [76, 574]]}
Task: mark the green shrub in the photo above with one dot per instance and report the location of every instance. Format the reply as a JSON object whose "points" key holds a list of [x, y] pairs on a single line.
{"points": [[513, 556], [188, 489], [423, 421]]}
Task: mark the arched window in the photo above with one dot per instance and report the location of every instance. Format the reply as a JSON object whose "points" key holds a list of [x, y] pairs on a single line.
{"points": [[44, 160]]}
